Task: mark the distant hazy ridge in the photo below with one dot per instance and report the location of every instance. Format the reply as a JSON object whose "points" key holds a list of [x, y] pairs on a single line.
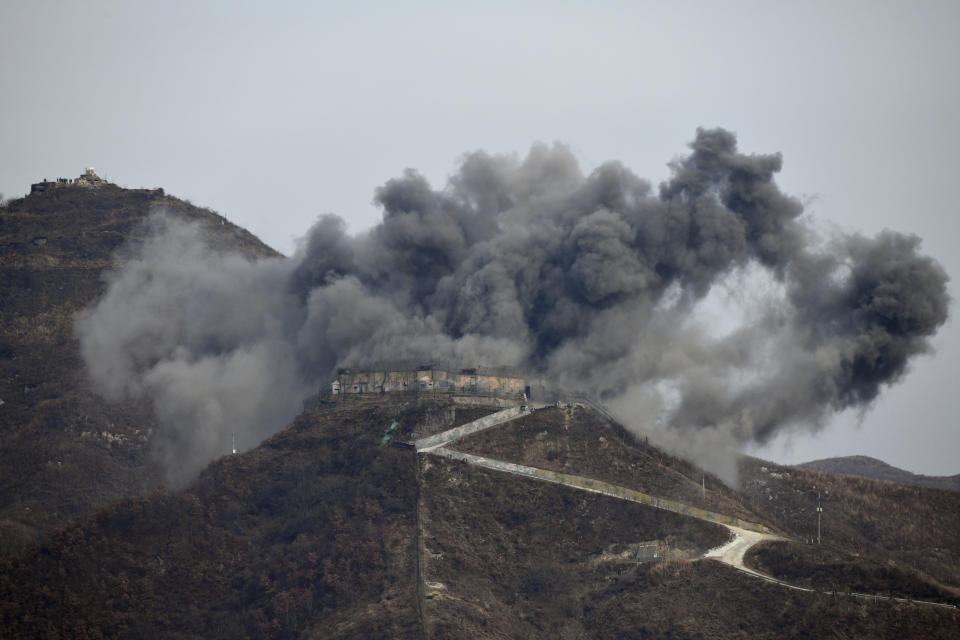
{"points": [[867, 467]]}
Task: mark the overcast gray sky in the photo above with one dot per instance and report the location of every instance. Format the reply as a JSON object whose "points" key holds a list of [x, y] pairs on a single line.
{"points": [[273, 113]]}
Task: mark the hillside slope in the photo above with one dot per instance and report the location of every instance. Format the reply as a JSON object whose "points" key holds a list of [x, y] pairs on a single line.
{"points": [[883, 528], [324, 532], [312, 532], [911, 530], [64, 451], [578, 440], [867, 467]]}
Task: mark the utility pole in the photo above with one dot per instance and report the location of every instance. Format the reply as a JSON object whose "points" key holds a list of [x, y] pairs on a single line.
{"points": [[819, 512], [703, 485]]}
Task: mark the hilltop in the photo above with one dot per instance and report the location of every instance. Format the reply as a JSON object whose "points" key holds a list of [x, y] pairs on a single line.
{"points": [[65, 452], [867, 467]]}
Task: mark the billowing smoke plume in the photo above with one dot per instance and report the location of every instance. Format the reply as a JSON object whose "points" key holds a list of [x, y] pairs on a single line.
{"points": [[596, 283]]}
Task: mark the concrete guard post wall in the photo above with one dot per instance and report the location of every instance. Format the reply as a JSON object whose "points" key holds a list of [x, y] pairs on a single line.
{"points": [[598, 486], [485, 401], [426, 380], [492, 420]]}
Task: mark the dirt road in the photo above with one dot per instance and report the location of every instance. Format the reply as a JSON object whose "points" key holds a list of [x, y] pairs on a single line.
{"points": [[733, 552]]}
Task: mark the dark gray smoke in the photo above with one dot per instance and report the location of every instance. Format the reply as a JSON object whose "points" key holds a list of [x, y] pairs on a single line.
{"points": [[597, 283]]}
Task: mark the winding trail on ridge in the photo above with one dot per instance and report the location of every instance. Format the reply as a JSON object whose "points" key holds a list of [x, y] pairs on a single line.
{"points": [[745, 534]]}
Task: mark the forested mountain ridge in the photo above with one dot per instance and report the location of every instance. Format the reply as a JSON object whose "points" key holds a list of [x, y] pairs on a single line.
{"points": [[867, 467]]}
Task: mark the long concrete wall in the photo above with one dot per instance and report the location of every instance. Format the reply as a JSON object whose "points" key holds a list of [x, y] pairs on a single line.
{"points": [[598, 486], [492, 420], [425, 380], [481, 400]]}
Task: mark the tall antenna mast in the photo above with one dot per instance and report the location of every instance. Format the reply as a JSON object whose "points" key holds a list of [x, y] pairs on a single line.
{"points": [[234, 442], [819, 512]]}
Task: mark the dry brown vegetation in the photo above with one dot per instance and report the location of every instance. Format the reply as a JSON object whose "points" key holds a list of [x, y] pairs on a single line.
{"points": [[514, 561], [825, 568], [518, 555], [463, 415], [317, 533], [915, 528], [581, 442], [709, 600], [313, 532]]}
